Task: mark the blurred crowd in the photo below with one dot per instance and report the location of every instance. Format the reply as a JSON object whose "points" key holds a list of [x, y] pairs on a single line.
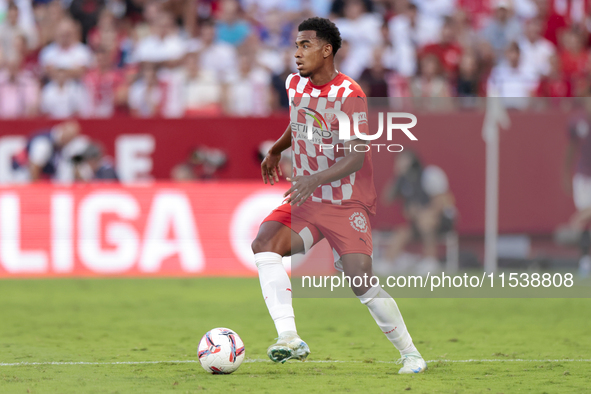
{"points": [[184, 58]]}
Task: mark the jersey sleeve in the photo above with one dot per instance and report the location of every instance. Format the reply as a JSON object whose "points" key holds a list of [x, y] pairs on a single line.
{"points": [[288, 87], [355, 106]]}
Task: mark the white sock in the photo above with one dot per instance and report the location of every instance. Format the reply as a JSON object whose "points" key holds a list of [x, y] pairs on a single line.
{"points": [[385, 312], [276, 288]]}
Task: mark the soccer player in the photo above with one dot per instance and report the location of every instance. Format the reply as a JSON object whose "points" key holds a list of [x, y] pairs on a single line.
{"points": [[331, 195]]}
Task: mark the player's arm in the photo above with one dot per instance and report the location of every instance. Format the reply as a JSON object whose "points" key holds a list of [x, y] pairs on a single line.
{"points": [[270, 169], [304, 186]]}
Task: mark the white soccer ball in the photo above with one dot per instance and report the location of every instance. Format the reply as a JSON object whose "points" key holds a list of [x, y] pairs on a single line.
{"points": [[221, 351]]}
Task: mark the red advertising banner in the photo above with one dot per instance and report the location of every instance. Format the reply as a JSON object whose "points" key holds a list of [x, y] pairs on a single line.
{"points": [[160, 229], [531, 159]]}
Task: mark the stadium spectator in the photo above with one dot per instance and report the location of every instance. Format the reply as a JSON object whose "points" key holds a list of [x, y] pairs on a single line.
{"points": [[502, 29], [19, 91], [48, 17], [447, 50], [363, 32], [553, 22], [429, 208], [574, 58], [44, 156], [184, 11], [217, 56], [106, 22], [10, 29], [144, 25], [468, 81], [535, 49], [337, 8], [555, 83], [574, 11], [248, 91], [164, 47], [279, 98], [269, 58], [373, 80], [147, 95], [400, 58], [201, 89], [430, 82], [86, 12], [436, 8], [133, 32], [231, 27], [63, 97], [67, 53], [117, 7], [91, 165], [479, 11], [108, 36], [413, 28], [25, 19], [28, 59], [525, 9], [512, 81], [276, 31], [258, 9], [466, 36], [105, 86]]}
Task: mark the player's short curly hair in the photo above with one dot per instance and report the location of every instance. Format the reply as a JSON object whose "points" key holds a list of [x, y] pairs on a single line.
{"points": [[325, 29]]}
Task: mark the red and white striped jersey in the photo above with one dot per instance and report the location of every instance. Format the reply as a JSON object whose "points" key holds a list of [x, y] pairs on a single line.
{"points": [[312, 156]]}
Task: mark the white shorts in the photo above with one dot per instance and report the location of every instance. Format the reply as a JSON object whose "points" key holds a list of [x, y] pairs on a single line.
{"points": [[582, 191]]}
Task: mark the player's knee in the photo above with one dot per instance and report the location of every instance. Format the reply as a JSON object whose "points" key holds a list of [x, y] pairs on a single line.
{"points": [[258, 246], [357, 268], [262, 244]]}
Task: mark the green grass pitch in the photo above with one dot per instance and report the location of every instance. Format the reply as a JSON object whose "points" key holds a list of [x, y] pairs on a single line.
{"points": [[105, 321]]}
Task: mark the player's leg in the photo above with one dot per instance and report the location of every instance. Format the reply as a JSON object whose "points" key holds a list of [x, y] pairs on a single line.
{"points": [[275, 240], [349, 233], [384, 310]]}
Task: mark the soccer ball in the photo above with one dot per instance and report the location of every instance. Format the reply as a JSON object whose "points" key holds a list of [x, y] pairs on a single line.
{"points": [[221, 351]]}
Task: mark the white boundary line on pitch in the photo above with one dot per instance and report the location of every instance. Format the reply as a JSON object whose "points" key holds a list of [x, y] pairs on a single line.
{"points": [[25, 363]]}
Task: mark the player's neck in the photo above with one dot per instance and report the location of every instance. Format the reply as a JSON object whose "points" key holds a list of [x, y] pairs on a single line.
{"points": [[324, 76]]}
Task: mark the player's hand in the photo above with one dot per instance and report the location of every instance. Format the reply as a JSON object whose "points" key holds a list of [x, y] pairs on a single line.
{"points": [[303, 188], [270, 169]]}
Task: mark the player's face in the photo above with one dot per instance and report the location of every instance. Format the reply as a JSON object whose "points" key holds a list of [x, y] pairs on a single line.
{"points": [[311, 52]]}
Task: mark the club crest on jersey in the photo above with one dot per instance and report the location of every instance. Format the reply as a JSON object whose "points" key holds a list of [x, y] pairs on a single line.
{"points": [[330, 118], [358, 222]]}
